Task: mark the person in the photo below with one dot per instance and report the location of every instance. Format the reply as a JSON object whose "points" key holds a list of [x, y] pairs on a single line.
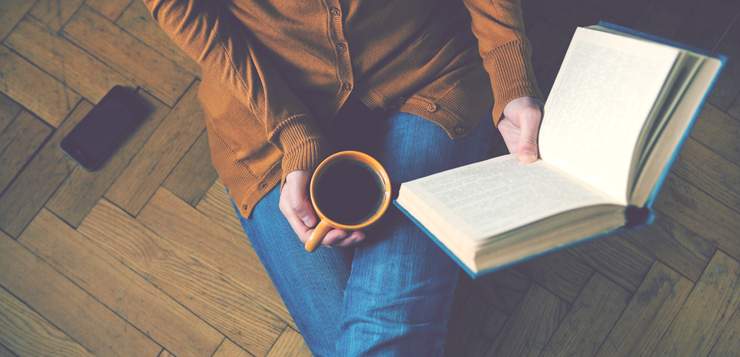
{"points": [[422, 85]]}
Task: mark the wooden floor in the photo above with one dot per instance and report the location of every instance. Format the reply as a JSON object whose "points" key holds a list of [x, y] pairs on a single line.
{"points": [[145, 257]]}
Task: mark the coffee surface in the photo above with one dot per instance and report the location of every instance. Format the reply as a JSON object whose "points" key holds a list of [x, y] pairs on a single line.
{"points": [[348, 192]]}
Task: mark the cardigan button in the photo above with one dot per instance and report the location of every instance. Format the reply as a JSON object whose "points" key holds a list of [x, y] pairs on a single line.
{"points": [[335, 11], [341, 46], [262, 185], [347, 86], [432, 107], [245, 206]]}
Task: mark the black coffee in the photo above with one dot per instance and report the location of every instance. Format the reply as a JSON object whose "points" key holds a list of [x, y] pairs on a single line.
{"points": [[348, 192]]}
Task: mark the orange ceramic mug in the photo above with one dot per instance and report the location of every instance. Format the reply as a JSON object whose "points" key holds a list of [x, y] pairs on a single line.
{"points": [[349, 190]]}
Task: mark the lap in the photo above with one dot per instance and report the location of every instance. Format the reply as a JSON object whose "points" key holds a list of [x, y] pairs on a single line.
{"points": [[311, 285], [402, 284], [397, 283], [413, 147]]}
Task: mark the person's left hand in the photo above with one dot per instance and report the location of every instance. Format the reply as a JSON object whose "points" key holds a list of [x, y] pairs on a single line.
{"points": [[520, 127]]}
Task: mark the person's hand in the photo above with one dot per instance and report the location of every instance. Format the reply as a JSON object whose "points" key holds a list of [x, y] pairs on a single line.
{"points": [[520, 127], [295, 205]]}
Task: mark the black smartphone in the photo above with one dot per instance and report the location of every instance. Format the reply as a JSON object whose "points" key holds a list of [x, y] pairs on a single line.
{"points": [[106, 127]]}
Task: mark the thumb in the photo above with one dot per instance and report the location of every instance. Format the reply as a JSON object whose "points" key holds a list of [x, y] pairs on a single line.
{"points": [[528, 150], [304, 211]]}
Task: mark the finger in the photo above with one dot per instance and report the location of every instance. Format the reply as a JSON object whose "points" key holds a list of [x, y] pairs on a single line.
{"points": [[354, 238], [301, 206], [298, 201], [528, 151], [297, 225], [334, 236]]}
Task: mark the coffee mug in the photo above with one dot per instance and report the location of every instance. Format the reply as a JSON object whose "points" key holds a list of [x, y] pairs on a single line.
{"points": [[349, 190]]}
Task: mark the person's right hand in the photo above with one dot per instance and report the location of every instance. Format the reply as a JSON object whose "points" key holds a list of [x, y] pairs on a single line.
{"points": [[520, 128], [295, 205]]}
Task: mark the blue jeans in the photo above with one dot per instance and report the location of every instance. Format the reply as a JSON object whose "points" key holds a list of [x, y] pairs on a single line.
{"points": [[391, 294]]}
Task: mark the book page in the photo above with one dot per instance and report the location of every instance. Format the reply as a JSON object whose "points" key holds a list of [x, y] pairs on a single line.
{"points": [[668, 144], [490, 197], [598, 105]]}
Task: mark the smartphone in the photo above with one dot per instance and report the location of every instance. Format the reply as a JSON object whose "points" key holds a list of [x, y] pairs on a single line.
{"points": [[106, 127]]}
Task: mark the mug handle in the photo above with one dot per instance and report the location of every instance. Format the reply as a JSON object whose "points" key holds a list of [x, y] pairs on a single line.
{"points": [[317, 236]]}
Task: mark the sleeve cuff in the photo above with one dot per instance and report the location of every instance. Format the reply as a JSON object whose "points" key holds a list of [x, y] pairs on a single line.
{"points": [[303, 147], [512, 74]]}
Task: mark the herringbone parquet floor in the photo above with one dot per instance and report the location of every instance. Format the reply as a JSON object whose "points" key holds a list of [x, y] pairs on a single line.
{"points": [[146, 258]]}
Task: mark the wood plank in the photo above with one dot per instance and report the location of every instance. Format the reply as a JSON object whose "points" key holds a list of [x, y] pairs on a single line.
{"points": [[591, 317], [54, 13], [8, 111], [719, 132], [129, 56], [707, 311], [548, 45], [214, 296], [617, 259], [165, 353], [729, 343], [67, 306], [111, 9], [734, 109], [159, 155], [230, 349], [12, 11], [567, 12], [674, 245], [648, 314], [137, 21], [217, 206], [560, 273], [706, 21], [5, 352], [480, 342], [531, 326], [503, 289], [174, 220], [727, 87], [622, 12], [63, 60], [82, 189], [290, 343], [194, 174], [39, 92], [495, 321], [120, 289], [18, 143], [42, 175], [699, 212], [468, 321], [28, 334], [710, 172], [663, 17]]}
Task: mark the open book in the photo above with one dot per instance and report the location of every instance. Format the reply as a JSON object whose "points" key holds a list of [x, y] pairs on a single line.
{"points": [[616, 116]]}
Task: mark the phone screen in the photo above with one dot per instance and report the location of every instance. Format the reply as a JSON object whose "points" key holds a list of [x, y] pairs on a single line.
{"points": [[106, 127]]}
